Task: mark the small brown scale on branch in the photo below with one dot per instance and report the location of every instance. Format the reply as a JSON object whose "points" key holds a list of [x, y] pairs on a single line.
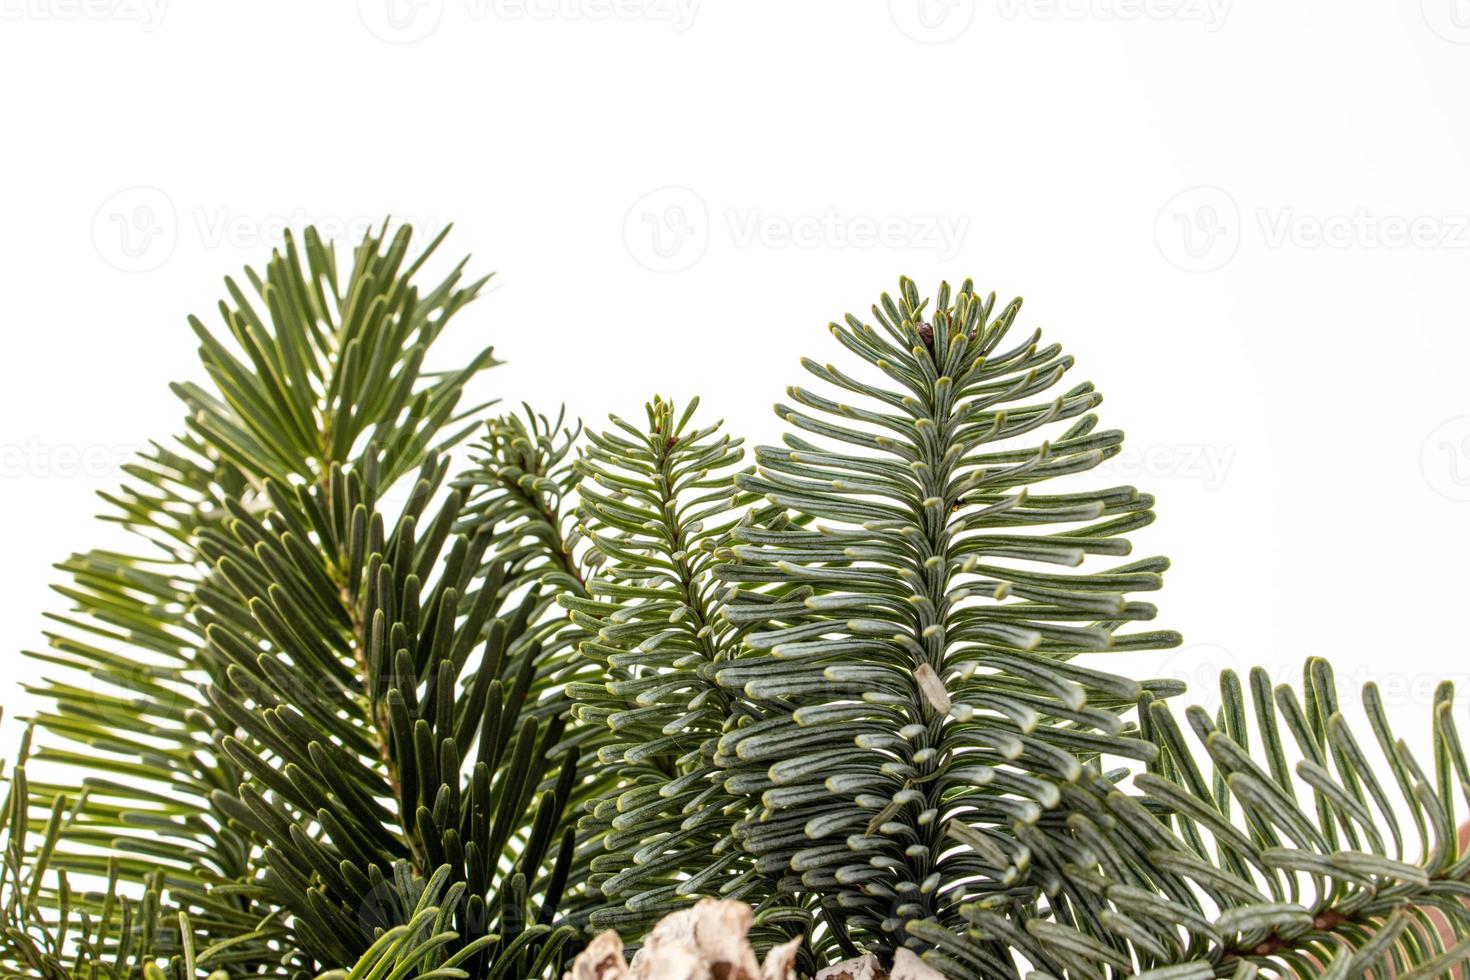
{"points": [[925, 330], [926, 334], [658, 430]]}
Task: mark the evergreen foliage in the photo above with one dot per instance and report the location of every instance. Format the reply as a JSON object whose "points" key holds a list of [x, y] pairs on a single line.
{"points": [[658, 506], [942, 636], [354, 707], [1294, 853]]}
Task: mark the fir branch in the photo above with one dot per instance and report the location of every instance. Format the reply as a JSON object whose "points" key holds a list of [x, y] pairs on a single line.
{"points": [[1291, 869], [520, 488], [440, 737], [328, 366], [925, 702], [658, 501]]}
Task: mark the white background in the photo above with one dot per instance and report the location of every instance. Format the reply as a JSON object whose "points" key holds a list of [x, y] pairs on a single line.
{"points": [[1248, 220]]}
